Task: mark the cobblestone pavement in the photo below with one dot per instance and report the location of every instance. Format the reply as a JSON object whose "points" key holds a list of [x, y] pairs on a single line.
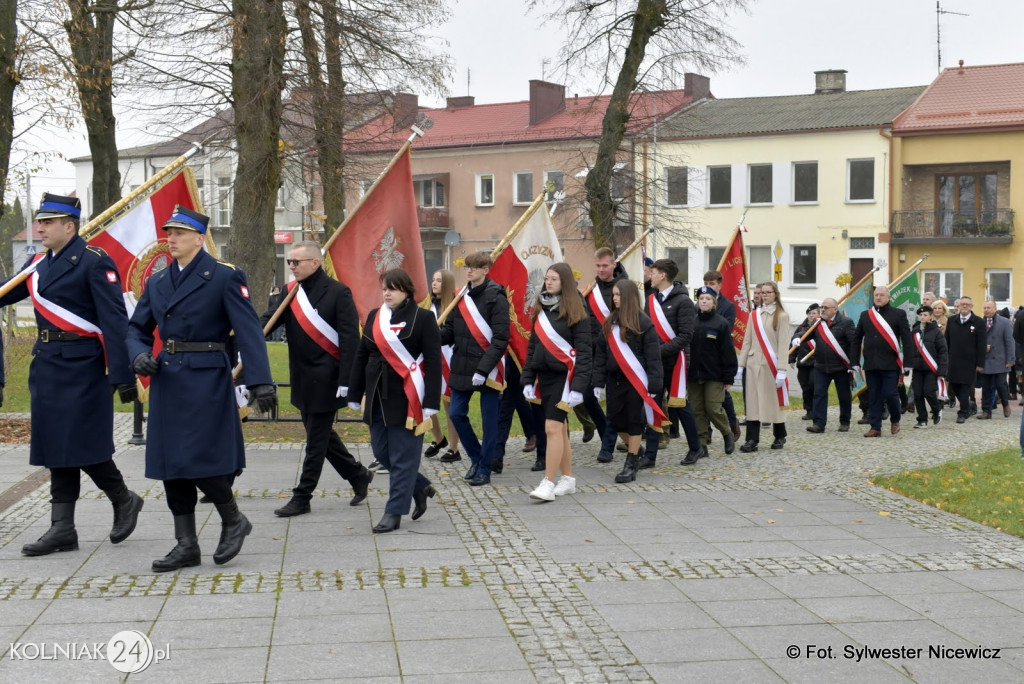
{"points": [[774, 566]]}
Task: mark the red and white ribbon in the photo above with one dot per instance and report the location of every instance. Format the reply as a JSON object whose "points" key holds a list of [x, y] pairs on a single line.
{"points": [[598, 305], [402, 362], [312, 323], [933, 366], [677, 384], [560, 348], [886, 331], [636, 374], [481, 331], [833, 343], [769, 354], [446, 361], [65, 320]]}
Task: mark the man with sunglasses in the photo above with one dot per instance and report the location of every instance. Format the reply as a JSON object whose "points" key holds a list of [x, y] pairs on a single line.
{"points": [[322, 328]]}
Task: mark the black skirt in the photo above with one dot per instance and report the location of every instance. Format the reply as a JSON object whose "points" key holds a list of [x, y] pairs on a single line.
{"points": [[551, 385], [625, 406]]}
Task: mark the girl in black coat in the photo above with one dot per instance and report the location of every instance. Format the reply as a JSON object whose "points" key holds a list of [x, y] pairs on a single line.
{"points": [[396, 428], [560, 309], [442, 292], [625, 404]]}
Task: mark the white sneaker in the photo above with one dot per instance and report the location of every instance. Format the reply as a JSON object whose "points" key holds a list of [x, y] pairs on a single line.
{"points": [[545, 491], [566, 485]]}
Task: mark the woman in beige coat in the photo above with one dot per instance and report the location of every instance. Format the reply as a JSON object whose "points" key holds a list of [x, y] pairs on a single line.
{"points": [[762, 382]]}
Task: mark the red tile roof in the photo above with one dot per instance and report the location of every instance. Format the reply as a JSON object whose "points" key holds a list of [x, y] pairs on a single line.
{"points": [[509, 123], [968, 98]]}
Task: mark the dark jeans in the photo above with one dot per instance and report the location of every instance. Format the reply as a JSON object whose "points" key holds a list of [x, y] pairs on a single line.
{"points": [[993, 385], [398, 449], [820, 401], [66, 483], [479, 454], [181, 494], [513, 402], [882, 389], [322, 442], [926, 388]]}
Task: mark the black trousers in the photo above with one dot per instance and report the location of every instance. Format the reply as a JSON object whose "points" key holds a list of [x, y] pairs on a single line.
{"points": [[926, 388], [66, 483], [322, 442], [805, 376], [964, 393], [181, 494]]}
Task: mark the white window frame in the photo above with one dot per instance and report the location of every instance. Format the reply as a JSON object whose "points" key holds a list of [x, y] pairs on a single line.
{"points": [[224, 197], [817, 185], [478, 189], [750, 185], [686, 183], [940, 291], [794, 252], [1008, 272], [710, 172], [757, 276], [849, 180], [418, 187], [364, 186], [518, 201], [280, 197]]}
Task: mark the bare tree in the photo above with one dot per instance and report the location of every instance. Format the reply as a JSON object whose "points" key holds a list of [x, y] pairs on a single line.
{"points": [[636, 45], [8, 82]]}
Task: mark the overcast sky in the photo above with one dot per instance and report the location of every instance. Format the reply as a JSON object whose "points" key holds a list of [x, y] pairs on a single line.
{"points": [[881, 44]]}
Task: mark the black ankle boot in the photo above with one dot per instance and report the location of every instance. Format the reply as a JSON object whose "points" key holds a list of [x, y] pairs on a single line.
{"points": [[60, 537], [389, 522], [753, 436], [233, 531], [628, 473], [127, 505], [420, 500], [186, 553]]}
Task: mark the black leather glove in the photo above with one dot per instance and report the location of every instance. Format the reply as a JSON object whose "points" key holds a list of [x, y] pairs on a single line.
{"points": [[127, 392], [145, 365], [264, 396]]}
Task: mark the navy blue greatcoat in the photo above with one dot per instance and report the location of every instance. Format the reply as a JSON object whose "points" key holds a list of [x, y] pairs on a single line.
{"points": [[71, 388], [194, 429]]}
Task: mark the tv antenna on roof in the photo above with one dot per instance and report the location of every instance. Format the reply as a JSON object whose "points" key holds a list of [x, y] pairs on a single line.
{"points": [[938, 28]]}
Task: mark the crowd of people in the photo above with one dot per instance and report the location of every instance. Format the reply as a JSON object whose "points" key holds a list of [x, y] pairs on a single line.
{"points": [[638, 368]]}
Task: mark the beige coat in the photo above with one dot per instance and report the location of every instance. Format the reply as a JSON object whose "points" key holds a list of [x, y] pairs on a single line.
{"points": [[761, 397]]}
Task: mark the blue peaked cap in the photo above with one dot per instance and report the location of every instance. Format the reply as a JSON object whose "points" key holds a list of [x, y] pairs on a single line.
{"points": [[187, 219], [53, 206]]}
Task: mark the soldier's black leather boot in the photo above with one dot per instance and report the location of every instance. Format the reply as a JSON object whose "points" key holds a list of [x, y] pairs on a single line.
{"points": [[234, 528], [127, 505], [186, 553], [60, 537]]}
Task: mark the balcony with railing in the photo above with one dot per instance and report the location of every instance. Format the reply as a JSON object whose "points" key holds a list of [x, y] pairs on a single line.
{"points": [[934, 225]]}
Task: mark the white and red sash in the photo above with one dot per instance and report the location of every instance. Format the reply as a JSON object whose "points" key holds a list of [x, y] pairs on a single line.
{"points": [[833, 343], [597, 304], [761, 335], [560, 348], [932, 364], [402, 362], [677, 385], [446, 361], [481, 331], [318, 330], [65, 320], [630, 366], [886, 331]]}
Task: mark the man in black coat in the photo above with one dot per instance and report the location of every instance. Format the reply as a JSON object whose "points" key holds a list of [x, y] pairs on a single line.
{"points": [[965, 338], [322, 328], [598, 302], [884, 334], [832, 362]]}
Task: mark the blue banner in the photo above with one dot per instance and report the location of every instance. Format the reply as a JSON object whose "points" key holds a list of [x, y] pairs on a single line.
{"points": [[856, 304]]}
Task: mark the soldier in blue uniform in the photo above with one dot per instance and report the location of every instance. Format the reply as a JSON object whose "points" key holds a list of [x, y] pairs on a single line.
{"points": [[195, 436], [79, 357]]}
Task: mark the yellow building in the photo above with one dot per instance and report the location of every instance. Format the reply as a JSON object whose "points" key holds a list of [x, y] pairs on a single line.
{"points": [[810, 172], [954, 199]]}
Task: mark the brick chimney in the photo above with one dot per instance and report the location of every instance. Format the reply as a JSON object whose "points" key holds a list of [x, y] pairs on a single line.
{"points": [[406, 108], [545, 99], [696, 86], [830, 81], [461, 101]]}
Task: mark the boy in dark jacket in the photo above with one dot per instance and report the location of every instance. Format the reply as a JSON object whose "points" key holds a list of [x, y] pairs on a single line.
{"points": [[805, 369], [712, 369], [930, 363]]}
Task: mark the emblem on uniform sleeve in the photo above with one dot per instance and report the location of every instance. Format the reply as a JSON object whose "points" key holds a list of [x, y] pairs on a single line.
{"points": [[112, 276], [245, 291]]}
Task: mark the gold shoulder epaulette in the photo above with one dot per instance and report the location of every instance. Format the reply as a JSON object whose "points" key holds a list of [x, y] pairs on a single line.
{"points": [[96, 250], [224, 263]]}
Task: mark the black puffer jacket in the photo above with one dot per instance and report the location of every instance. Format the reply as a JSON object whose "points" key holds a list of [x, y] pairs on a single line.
{"points": [[826, 360], [469, 358], [935, 342], [539, 359], [712, 355], [878, 355], [647, 348], [681, 314]]}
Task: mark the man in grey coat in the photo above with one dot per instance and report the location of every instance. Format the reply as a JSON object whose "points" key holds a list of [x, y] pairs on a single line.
{"points": [[999, 358]]}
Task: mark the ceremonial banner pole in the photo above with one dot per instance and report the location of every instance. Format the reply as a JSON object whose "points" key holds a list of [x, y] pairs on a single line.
{"points": [[839, 303], [625, 253], [907, 272], [518, 226]]}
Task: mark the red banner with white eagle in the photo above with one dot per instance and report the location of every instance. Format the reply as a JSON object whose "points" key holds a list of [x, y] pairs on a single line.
{"points": [[382, 234], [734, 285], [520, 268]]}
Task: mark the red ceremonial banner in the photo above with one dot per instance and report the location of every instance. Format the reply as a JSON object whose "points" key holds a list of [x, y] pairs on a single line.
{"points": [[734, 286]]}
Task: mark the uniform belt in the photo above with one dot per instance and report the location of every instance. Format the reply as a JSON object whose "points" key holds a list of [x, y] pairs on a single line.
{"points": [[61, 336], [179, 347]]}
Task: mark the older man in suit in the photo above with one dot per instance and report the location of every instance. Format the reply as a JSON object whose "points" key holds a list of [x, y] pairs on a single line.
{"points": [[999, 359], [965, 337]]}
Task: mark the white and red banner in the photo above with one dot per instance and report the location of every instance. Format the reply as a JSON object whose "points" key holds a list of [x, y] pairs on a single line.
{"points": [[312, 323], [886, 331], [520, 268], [382, 234], [733, 267], [825, 330], [635, 372], [677, 388], [402, 362]]}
